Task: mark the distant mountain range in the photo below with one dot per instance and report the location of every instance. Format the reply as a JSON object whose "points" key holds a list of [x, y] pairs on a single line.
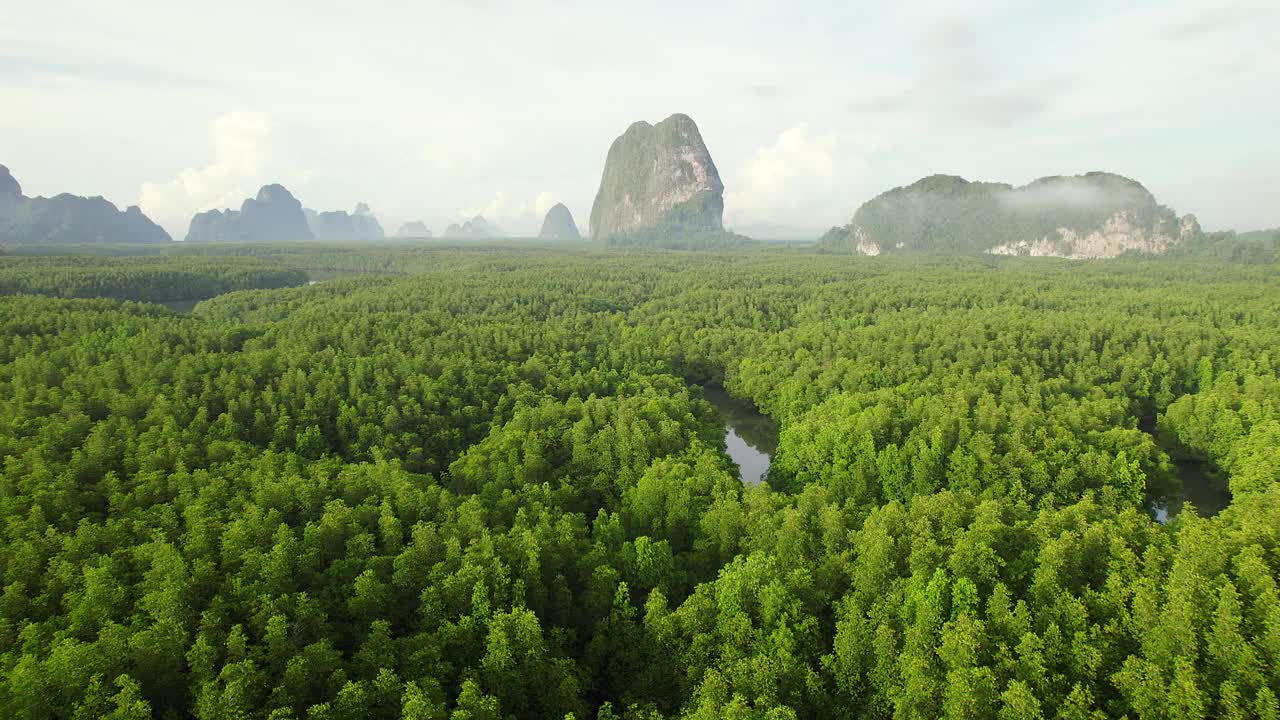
{"points": [[69, 218], [413, 229], [477, 227], [660, 188], [339, 225], [774, 231]]}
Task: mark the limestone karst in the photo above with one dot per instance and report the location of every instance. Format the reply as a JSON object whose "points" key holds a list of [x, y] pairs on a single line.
{"points": [[476, 227], [340, 225], [559, 225], [67, 218], [1096, 215], [413, 229], [658, 177], [273, 215]]}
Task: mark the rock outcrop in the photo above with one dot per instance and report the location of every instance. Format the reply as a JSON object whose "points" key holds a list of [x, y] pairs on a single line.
{"points": [[9, 187], [338, 225], [658, 177], [476, 227], [1097, 215], [413, 229], [275, 215], [559, 225], [69, 219]]}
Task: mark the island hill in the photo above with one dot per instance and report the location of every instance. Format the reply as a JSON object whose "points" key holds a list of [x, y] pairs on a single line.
{"points": [[69, 219], [275, 215], [1097, 215], [476, 228], [559, 225], [661, 188], [338, 225], [414, 229]]}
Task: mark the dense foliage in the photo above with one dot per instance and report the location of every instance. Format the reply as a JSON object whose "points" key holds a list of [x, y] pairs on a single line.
{"points": [[1262, 246], [143, 278], [491, 488]]}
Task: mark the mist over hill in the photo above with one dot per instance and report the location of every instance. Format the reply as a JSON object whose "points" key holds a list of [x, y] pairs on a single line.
{"points": [[476, 228], [1097, 215], [339, 225], [413, 229]]}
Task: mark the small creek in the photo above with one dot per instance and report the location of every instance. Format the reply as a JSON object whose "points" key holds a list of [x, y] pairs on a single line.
{"points": [[179, 306], [1198, 485], [749, 436], [1199, 488], [315, 277]]}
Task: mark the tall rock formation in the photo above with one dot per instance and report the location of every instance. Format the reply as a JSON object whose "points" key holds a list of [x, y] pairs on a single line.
{"points": [[559, 225], [414, 228], [1096, 215], [69, 219], [658, 177], [365, 224], [339, 225], [275, 215]]}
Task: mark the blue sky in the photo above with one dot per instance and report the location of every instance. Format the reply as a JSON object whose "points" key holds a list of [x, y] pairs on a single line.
{"points": [[436, 110]]}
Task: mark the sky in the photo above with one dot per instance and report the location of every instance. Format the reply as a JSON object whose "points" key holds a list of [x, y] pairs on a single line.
{"points": [[437, 111]]}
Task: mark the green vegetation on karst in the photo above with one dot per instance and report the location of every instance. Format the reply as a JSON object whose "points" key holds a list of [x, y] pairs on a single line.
{"points": [[947, 215]]}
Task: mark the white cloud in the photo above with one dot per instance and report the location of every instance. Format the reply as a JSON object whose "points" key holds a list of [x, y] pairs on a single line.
{"points": [[498, 207], [544, 202], [242, 152], [794, 179], [513, 217], [1153, 56], [1008, 91]]}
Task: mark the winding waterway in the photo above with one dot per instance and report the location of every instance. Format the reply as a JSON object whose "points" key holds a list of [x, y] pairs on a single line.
{"points": [[750, 437], [179, 306]]}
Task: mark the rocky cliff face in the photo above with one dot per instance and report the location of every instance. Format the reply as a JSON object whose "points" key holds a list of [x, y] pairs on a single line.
{"points": [[559, 225], [9, 187], [69, 219], [413, 229], [274, 215], [10, 195], [1097, 215], [339, 225], [658, 175], [1119, 234]]}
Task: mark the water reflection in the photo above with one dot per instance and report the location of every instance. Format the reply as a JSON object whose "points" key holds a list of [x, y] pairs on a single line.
{"points": [[179, 306], [1197, 484], [1200, 489], [750, 437]]}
